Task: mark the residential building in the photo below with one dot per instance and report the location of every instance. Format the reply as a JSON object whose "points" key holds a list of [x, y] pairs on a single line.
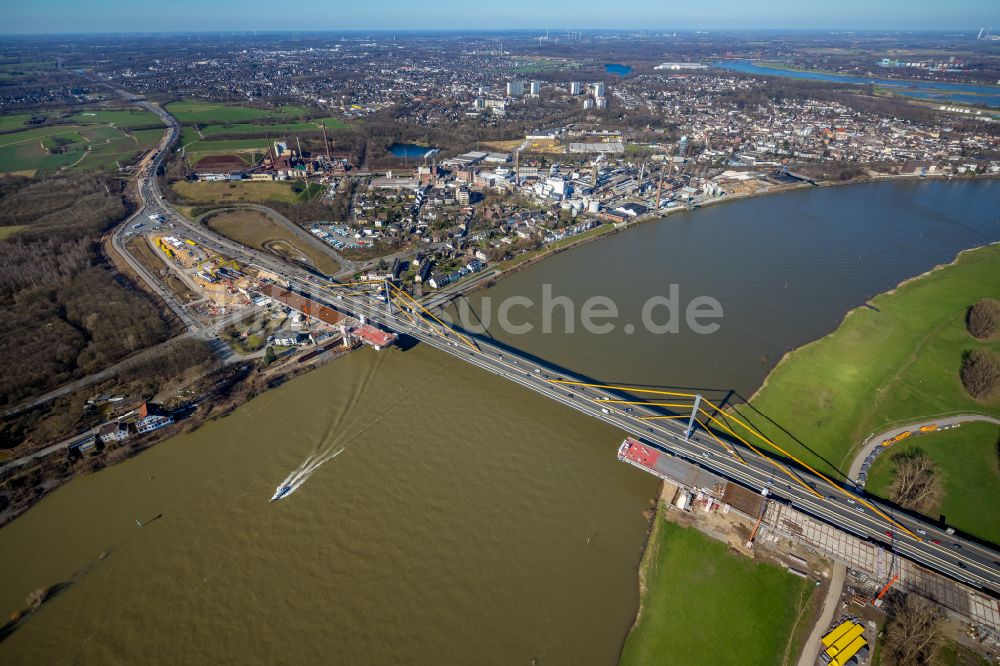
{"points": [[115, 431]]}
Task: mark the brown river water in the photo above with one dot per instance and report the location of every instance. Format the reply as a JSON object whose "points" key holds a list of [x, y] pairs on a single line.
{"points": [[463, 520]]}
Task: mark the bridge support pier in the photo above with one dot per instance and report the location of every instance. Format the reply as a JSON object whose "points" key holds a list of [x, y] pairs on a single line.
{"points": [[694, 415]]}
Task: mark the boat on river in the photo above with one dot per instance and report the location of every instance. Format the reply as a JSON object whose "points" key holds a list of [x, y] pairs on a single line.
{"points": [[280, 492]]}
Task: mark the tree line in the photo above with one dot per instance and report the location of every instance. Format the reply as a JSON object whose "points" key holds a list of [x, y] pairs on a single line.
{"points": [[69, 312]]}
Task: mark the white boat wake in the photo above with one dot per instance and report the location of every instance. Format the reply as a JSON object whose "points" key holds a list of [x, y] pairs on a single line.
{"points": [[293, 481]]}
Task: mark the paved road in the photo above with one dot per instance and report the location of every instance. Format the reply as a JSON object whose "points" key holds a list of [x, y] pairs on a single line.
{"points": [[347, 267], [47, 451], [223, 352], [832, 503], [968, 562], [875, 441], [810, 651]]}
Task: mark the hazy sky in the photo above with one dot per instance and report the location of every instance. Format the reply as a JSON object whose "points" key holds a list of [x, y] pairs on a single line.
{"points": [[182, 15]]}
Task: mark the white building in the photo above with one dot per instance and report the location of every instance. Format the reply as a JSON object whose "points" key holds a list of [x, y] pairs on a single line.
{"points": [[496, 106], [681, 65], [575, 88], [536, 88], [598, 89], [515, 88]]}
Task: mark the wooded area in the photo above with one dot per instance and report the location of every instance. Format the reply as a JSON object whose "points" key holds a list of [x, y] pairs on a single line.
{"points": [[69, 313]]}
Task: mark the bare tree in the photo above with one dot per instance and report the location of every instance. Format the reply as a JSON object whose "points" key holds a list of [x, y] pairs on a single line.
{"points": [[983, 318], [980, 373], [912, 632], [916, 484]]}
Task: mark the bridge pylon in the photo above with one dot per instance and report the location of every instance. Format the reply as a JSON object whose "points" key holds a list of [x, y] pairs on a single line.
{"points": [[694, 413]]}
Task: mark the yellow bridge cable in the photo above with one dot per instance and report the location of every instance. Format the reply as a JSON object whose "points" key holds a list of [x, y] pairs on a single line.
{"points": [[366, 283], [863, 501], [405, 313], [641, 402], [414, 319], [724, 444], [753, 448], [429, 314], [621, 388]]}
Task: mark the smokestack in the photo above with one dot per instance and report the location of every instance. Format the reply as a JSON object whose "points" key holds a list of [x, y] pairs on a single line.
{"points": [[326, 142], [659, 190], [517, 168], [642, 172], [298, 144]]}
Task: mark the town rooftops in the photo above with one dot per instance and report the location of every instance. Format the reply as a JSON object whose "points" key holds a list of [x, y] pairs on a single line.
{"points": [[108, 428]]}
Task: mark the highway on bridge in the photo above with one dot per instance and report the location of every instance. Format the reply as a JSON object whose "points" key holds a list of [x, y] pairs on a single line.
{"points": [[918, 540]]}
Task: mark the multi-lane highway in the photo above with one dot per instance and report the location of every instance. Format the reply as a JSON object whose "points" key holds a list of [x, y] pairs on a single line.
{"points": [[912, 538], [959, 558]]}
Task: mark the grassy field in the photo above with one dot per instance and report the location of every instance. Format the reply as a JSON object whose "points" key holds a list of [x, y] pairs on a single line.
{"points": [[248, 128], [257, 230], [208, 113], [124, 118], [226, 147], [894, 364], [82, 146], [970, 474], [704, 605], [243, 192], [13, 121]]}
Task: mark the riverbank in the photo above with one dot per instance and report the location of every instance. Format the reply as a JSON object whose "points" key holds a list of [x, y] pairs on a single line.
{"points": [[575, 242], [390, 530], [219, 392], [892, 361], [704, 601], [952, 294], [519, 263]]}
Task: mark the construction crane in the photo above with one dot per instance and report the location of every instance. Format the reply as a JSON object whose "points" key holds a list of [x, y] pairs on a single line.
{"points": [[756, 526], [877, 601]]}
